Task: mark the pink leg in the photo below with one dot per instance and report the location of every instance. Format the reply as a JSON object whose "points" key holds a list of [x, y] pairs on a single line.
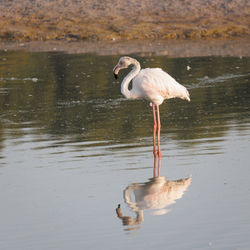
{"points": [[158, 130], [154, 131]]}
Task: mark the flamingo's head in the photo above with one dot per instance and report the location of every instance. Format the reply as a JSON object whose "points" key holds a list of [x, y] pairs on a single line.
{"points": [[123, 63]]}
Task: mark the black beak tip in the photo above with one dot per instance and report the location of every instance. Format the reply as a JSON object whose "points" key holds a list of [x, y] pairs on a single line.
{"points": [[116, 76]]}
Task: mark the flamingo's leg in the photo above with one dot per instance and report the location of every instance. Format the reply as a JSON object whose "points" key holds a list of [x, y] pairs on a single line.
{"points": [[154, 131], [158, 130]]}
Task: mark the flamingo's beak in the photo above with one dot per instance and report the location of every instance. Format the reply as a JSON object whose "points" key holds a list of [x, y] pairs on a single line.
{"points": [[116, 70]]}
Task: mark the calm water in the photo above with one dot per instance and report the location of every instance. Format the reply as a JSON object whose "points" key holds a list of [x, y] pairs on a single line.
{"points": [[72, 149]]}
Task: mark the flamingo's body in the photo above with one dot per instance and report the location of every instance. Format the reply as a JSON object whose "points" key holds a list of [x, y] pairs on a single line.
{"points": [[152, 84]]}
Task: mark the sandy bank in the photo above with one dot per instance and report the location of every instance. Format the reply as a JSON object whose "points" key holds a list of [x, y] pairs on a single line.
{"points": [[75, 20]]}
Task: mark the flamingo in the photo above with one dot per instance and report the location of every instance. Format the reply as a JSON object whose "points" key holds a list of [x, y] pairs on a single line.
{"points": [[152, 84]]}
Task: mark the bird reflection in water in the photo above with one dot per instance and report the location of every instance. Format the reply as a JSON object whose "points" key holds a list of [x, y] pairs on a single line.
{"points": [[155, 194]]}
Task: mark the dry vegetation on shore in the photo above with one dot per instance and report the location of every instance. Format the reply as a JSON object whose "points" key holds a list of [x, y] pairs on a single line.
{"points": [[41, 20]]}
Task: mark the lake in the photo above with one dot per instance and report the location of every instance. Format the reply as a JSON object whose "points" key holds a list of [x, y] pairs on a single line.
{"points": [[76, 157]]}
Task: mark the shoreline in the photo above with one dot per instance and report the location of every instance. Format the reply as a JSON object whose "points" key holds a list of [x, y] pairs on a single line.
{"points": [[118, 20], [170, 48]]}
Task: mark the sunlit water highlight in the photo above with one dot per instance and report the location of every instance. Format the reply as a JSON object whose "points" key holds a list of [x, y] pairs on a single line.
{"points": [[71, 147]]}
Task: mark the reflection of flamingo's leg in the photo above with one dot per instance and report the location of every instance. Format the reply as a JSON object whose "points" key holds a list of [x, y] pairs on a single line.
{"points": [[155, 164], [158, 130], [159, 167], [154, 130]]}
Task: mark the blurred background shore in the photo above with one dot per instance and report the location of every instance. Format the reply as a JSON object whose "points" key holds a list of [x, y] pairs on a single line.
{"points": [[30, 20], [221, 25]]}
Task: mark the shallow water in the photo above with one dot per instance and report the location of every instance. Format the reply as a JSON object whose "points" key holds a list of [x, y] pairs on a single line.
{"points": [[72, 149]]}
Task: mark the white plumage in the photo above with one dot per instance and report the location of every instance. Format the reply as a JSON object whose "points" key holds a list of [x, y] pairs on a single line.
{"points": [[152, 84], [156, 85]]}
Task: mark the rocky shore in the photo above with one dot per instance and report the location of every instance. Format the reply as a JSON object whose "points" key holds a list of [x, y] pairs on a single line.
{"points": [[119, 20]]}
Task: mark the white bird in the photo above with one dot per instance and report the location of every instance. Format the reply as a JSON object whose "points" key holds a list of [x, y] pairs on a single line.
{"points": [[152, 84]]}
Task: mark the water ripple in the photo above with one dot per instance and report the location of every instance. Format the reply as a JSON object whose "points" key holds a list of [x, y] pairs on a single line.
{"points": [[206, 81]]}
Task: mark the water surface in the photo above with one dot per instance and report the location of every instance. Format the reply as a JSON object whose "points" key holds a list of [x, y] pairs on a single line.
{"points": [[72, 149]]}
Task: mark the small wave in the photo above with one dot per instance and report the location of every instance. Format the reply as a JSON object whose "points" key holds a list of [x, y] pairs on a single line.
{"points": [[69, 103], [209, 82], [33, 79], [100, 103]]}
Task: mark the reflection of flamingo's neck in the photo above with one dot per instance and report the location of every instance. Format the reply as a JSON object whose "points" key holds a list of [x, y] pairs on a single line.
{"points": [[124, 86], [129, 221]]}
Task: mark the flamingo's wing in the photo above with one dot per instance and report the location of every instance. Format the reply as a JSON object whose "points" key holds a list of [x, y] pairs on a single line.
{"points": [[156, 85]]}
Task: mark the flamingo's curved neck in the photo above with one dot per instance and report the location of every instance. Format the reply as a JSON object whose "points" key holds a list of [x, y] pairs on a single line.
{"points": [[124, 86]]}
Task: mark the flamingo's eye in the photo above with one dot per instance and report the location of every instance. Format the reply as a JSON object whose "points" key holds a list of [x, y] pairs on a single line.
{"points": [[122, 63]]}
